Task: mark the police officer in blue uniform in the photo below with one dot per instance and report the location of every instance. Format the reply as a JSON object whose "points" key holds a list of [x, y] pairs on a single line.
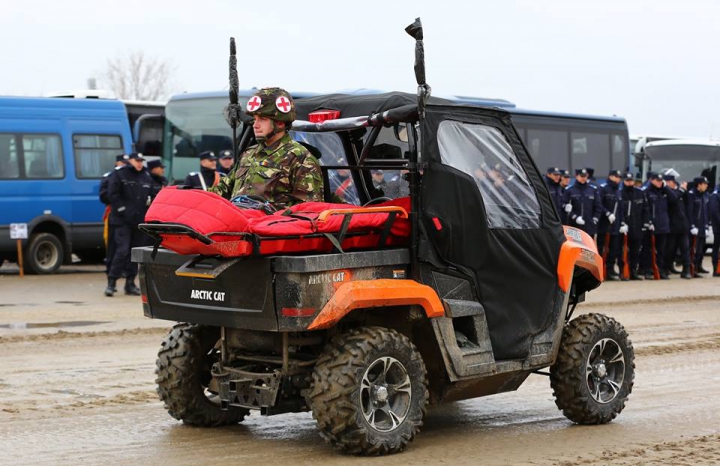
{"points": [[582, 204], [635, 214], [610, 224], [120, 161], [130, 192], [697, 211], [714, 214], [552, 180], [157, 172], [679, 226], [207, 177], [658, 196], [225, 162]]}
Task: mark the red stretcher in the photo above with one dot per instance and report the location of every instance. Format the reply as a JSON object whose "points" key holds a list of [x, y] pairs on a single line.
{"points": [[199, 222]]}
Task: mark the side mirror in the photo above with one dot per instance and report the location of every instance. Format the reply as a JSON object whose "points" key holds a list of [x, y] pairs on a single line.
{"points": [[401, 133]]}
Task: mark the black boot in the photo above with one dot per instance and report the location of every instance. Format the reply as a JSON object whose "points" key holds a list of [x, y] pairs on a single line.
{"points": [[634, 276], [685, 272], [674, 271], [110, 290], [612, 276], [700, 269], [130, 288], [664, 275]]}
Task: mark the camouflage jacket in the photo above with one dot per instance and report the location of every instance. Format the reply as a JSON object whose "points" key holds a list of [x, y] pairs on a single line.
{"points": [[285, 174]]}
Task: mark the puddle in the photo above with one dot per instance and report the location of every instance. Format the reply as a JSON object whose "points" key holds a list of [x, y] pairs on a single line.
{"points": [[77, 303], [72, 323]]}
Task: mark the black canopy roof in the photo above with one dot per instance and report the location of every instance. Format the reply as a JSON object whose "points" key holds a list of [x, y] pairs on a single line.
{"points": [[359, 105]]}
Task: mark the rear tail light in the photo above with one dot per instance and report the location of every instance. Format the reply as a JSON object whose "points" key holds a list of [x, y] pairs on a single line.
{"points": [[144, 298], [298, 311], [323, 115]]}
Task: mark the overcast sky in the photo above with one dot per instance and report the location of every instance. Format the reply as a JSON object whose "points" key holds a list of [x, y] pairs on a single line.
{"points": [[653, 62]]}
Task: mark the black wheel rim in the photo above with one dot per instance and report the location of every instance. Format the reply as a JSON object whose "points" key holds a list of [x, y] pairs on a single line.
{"points": [[385, 394], [605, 370]]}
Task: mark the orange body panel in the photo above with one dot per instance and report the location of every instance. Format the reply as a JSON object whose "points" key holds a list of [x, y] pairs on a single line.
{"points": [[579, 249], [377, 293]]}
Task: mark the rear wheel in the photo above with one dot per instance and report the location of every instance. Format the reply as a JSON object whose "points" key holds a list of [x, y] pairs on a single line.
{"points": [[184, 378], [594, 371], [369, 392], [44, 254]]}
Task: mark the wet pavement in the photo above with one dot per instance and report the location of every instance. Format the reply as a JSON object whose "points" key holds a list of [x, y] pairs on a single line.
{"points": [[77, 387]]}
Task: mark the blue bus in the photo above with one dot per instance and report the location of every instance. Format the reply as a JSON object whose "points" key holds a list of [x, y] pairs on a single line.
{"points": [[53, 153], [194, 123]]}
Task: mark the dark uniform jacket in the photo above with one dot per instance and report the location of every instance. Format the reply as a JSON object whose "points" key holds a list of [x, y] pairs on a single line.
{"points": [[714, 211], [159, 182], [556, 193], [658, 200], [611, 199], [130, 193], [635, 210], [585, 203], [193, 179], [697, 210], [104, 183], [678, 216]]}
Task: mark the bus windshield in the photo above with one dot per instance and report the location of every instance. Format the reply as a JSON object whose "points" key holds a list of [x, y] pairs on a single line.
{"points": [[193, 126], [689, 160]]}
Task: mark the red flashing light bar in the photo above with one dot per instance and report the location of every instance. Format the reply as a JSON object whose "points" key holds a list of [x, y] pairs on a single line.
{"points": [[323, 115]]}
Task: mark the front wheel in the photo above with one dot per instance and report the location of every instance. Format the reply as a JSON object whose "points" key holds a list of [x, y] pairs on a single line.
{"points": [[369, 392], [594, 371]]}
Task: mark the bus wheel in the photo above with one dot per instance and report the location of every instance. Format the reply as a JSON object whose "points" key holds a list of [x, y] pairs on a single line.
{"points": [[44, 254]]}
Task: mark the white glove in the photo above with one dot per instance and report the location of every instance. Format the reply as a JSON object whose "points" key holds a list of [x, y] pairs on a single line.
{"points": [[611, 218], [623, 229], [694, 231], [651, 227], [580, 221], [709, 237], [568, 208]]}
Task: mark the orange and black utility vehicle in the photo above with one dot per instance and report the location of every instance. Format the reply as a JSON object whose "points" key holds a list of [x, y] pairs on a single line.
{"points": [[465, 289]]}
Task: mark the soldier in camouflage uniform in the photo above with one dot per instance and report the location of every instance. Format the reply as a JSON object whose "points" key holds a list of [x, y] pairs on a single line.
{"points": [[277, 168]]}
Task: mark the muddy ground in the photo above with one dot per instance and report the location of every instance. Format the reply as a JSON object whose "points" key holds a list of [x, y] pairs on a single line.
{"points": [[77, 387]]}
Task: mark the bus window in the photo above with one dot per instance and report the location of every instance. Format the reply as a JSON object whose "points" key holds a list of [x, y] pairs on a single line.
{"points": [[550, 146], [95, 154], [619, 152], [9, 167], [591, 150], [42, 154]]}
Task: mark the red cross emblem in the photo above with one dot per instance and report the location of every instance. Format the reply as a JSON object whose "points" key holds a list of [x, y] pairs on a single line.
{"points": [[254, 103], [283, 104]]}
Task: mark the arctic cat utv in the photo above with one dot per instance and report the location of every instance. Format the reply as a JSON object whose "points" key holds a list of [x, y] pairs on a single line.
{"points": [[478, 296]]}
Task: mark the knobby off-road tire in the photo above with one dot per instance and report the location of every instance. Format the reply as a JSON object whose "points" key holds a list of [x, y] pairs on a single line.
{"points": [[369, 392], [183, 374], [594, 371]]}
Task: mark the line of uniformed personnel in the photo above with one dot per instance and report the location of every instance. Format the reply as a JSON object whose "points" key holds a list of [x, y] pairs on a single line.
{"points": [[641, 230]]}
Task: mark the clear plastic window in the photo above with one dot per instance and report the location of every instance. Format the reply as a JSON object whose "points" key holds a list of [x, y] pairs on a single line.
{"points": [[43, 156], [95, 154], [484, 153]]}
